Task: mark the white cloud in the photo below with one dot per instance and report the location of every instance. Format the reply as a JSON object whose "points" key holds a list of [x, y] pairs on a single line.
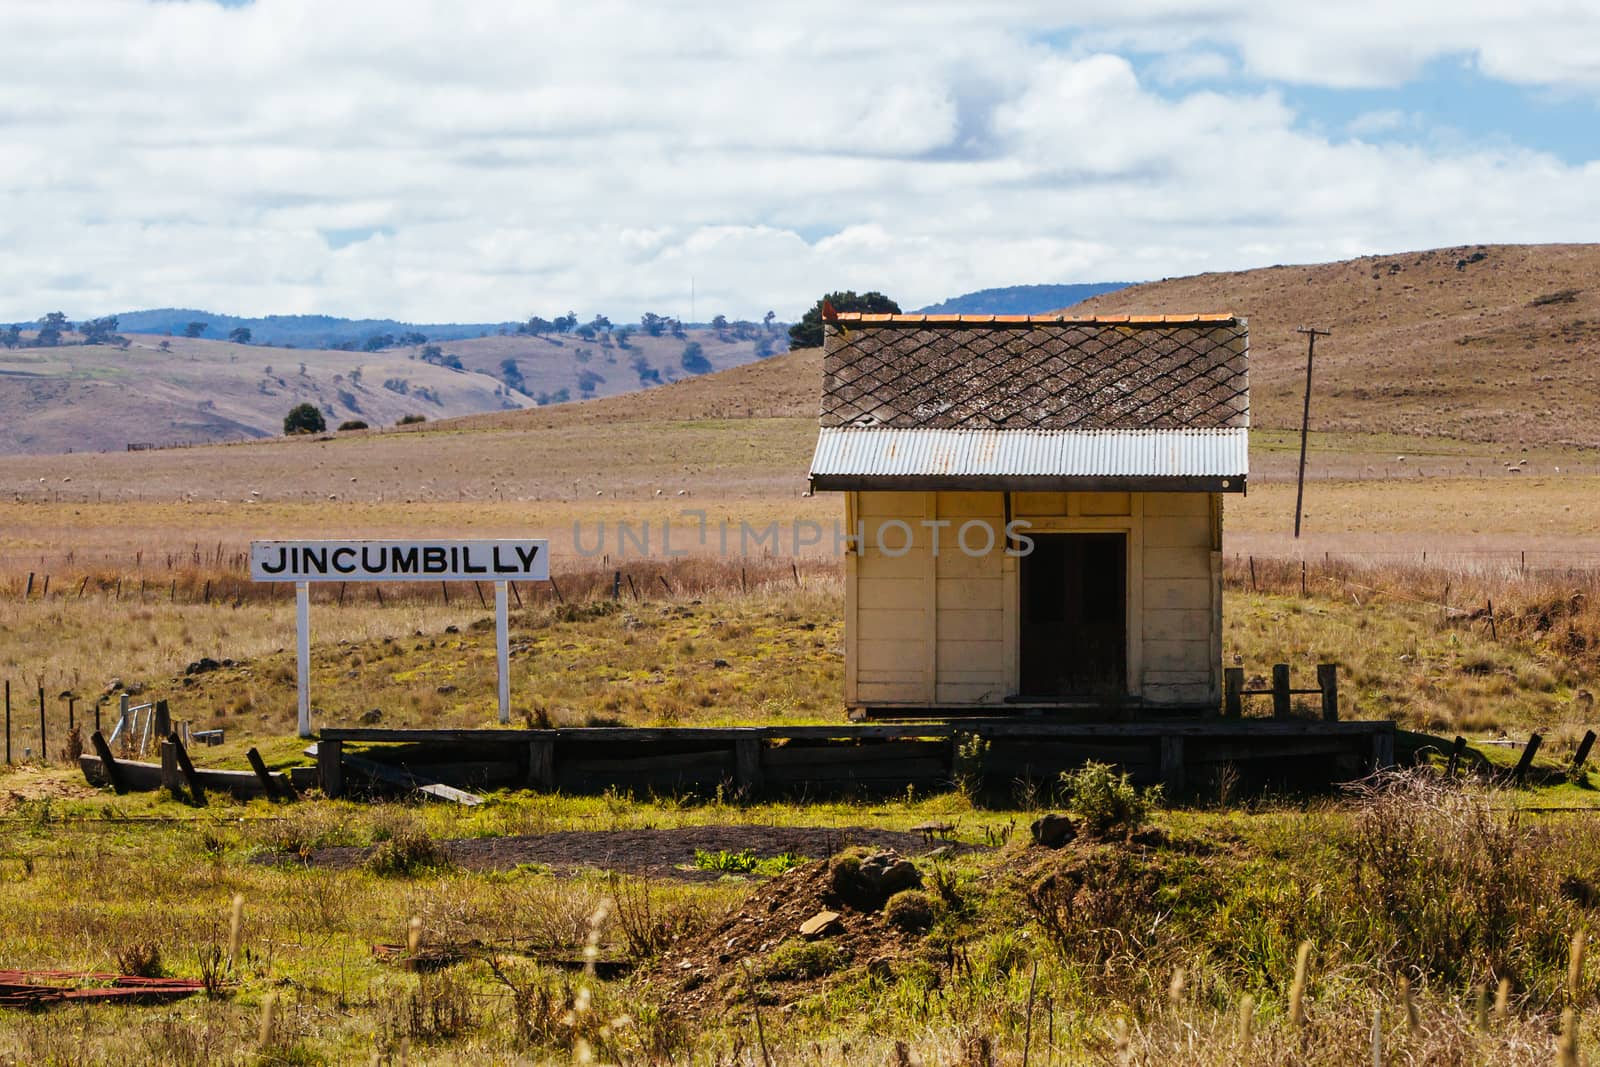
{"points": [[531, 157]]}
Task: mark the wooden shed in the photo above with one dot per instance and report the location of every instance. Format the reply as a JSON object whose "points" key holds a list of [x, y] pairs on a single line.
{"points": [[1034, 507]]}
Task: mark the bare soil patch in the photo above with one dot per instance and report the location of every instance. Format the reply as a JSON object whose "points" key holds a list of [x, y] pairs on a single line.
{"points": [[657, 853]]}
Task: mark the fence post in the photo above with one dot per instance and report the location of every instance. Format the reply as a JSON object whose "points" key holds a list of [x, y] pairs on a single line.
{"points": [[1280, 690], [1232, 692], [1328, 682], [44, 749], [1581, 757], [1457, 750], [163, 719], [8, 721], [108, 763], [616, 586], [330, 767], [1525, 764]]}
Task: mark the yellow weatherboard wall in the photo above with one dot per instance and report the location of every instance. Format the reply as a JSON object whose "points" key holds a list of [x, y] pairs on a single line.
{"points": [[926, 629]]}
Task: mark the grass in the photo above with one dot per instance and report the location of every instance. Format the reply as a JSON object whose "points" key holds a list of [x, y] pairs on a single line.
{"points": [[1103, 951]]}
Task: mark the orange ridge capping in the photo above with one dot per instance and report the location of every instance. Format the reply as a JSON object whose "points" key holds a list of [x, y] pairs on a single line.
{"points": [[984, 320]]}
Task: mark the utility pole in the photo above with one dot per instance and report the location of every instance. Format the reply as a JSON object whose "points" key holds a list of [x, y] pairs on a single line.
{"points": [[1312, 333]]}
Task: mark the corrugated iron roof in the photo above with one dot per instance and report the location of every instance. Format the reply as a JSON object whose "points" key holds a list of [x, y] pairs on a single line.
{"points": [[892, 458]]}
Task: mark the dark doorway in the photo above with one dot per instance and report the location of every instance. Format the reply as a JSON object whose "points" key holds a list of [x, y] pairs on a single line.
{"points": [[1074, 617]]}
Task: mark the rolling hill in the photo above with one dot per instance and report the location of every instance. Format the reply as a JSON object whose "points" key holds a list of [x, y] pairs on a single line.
{"points": [[78, 397], [1483, 342], [1020, 299]]}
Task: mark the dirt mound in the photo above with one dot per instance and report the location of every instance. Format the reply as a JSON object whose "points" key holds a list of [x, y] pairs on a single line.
{"points": [[793, 936], [657, 853]]}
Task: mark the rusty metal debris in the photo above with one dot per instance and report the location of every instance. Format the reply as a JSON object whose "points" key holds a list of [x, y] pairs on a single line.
{"points": [[39, 989]]}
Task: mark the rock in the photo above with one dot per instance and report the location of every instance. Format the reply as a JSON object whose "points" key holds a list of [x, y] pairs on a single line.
{"points": [[452, 629], [113, 685], [822, 924], [719, 663], [1052, 830], [203, 665], [887, 873], [370, 717], [444, 690]]}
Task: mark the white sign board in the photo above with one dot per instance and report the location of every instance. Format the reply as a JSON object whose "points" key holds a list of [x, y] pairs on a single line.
{"points": [[304, 562], [399, 561]]}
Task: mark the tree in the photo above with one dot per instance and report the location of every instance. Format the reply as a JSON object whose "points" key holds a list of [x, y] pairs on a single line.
{"points": [[195, 329], [378, 341], [304, 418], [239, 335], [600, 323], [694, 360], [652, 324], [766, 320], [511, 374], [719, 323], [165, 346], [50, 329], [536, 326], [565, 323], [12, 336], [432, 353], [413, 338], [99, 331], [622, 336], [807, 333]]}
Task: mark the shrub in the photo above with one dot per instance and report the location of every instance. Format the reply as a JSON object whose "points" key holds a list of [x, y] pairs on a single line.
{"points": [[304, 418], [1106, 800], [352, 424], [411, 420], [910, 910], [408, 852], [794, 960]]}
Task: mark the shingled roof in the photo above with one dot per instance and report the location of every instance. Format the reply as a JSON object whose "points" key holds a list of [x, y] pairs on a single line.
{"points": [[1036, 372], [918, 402]]}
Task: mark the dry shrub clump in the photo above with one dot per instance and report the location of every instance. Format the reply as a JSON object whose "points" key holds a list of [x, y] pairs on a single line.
{"points": [[1454, 882]]}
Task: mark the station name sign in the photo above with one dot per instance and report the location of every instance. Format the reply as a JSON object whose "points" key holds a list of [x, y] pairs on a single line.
{"points": [[400, 561]]}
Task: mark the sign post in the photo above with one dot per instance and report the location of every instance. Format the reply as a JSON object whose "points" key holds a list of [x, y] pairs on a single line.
{"points": [[304, 562]]}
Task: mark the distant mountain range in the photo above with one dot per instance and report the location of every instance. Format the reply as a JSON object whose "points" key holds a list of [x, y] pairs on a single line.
{"points": [[301, 331], [1021, 299]]}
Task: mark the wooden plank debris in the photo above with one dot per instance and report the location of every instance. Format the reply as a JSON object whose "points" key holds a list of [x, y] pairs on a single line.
{"points": [[406, 780]]}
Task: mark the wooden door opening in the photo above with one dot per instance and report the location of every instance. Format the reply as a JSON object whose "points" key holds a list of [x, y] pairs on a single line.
{"points": [[1073, 640]]}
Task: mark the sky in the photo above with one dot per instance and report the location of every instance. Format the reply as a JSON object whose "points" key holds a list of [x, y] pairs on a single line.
{"points": [[466, 160]]}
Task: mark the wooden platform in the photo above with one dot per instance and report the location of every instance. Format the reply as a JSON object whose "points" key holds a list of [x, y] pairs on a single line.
{"points": [[869, 758]]}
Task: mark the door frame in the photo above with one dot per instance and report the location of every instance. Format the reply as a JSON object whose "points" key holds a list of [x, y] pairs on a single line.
{"points": [[1132, 526]]}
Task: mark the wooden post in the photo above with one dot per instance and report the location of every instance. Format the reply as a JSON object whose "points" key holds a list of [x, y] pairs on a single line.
{"points": [[556, 589], [1457, 750], [163, 719], [1302, 577], [8, 721], [1172, 769], [1252, 574], [747, 766], [1525, 764], [541, 765], [169, 770], [1312, 333], [664, 584], [1280, 690], [72, 712], [28, 592], [1383, 750], [1494, 632], [1232, 692], [197, 792], [108, 762], [482, 603], [1328, 682], [616, 586], [1581, 757], [44, 750], [269, 788], [445, 591], [330, 767]]}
